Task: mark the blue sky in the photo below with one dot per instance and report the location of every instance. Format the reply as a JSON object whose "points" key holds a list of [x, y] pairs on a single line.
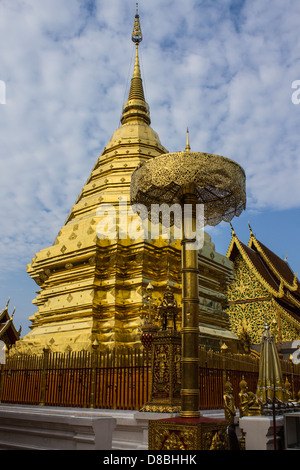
{"points": [[222, 68]]}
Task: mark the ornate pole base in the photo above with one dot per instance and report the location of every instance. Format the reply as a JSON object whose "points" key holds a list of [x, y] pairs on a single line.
{"points": [[166, 373], [188, 434]]}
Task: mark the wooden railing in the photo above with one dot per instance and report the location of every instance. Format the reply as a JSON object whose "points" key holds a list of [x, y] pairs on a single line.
{"points": [[116, 379], [215, 368], [119, 378]]}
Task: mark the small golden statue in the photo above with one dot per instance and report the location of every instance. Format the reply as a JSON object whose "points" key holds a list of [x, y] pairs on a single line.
{"points": [[228, 399], [288, 390], [249, 403], [168, 310]]}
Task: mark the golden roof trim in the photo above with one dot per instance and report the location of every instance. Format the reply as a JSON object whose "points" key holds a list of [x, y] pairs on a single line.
{"points": [[236, 241], [253, 240], [293, 299], [232, 241], [284, 312]]}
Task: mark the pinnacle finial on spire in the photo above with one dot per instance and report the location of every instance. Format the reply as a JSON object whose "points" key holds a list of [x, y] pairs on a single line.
{"points": [[137, 36], [187, 147]]}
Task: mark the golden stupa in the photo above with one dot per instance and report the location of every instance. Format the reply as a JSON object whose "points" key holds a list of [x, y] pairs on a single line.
{"points": [[92, 286]]}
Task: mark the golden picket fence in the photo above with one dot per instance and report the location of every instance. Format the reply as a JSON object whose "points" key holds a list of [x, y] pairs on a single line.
{"points": [[118, 378]]}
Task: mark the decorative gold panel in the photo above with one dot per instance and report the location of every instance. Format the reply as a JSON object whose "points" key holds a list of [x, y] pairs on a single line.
{"points": [[188, 434], [166, 376]]}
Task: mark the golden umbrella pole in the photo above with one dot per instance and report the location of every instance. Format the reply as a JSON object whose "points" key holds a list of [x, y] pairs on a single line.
{"points": [[190, 308]]}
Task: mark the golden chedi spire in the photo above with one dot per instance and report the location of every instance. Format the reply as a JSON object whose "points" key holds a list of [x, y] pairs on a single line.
{"points": [[90, 287]]}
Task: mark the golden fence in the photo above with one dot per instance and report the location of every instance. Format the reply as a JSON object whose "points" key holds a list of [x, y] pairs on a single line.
{"points": [[119, 378]]}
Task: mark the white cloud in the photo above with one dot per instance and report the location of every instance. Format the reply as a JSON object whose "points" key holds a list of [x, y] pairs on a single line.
{"points": [[222, 68]]}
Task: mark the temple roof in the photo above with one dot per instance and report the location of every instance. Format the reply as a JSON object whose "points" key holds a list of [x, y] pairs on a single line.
{"points": [[273, 272], [8, 332], [279, 267]]}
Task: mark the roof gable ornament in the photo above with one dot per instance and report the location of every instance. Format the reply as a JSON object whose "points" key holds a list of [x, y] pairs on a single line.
{"points": [[232, 229], [251, 231]]}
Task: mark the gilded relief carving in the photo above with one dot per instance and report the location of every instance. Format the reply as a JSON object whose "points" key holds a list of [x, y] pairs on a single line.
{"points": [[182, 435]]}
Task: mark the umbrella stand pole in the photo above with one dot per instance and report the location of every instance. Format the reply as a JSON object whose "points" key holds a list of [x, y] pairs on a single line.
{"points": [[190, 309]]}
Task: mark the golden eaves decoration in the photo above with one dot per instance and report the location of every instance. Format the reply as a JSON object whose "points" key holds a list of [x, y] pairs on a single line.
{"points": [[276, 291]]}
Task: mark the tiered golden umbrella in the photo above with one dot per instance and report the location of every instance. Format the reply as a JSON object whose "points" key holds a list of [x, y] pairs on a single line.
{"points": [[190, 178]]}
